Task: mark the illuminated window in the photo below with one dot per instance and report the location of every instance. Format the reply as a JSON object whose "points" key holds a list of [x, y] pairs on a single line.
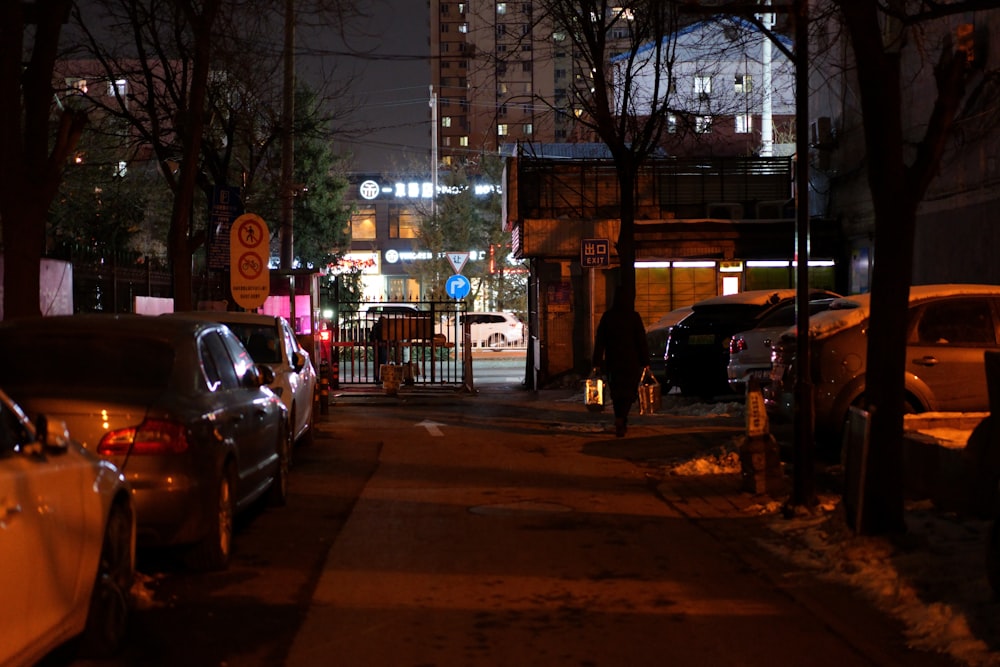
{"points": [[527, 128], [463, 141], [446, 121], [118, 86], [501, 8], [404, 223], [671, 123], [363, 224], [703, 85], [502, 129], [703, 124], [743, 83], [463, 27], [744, 123]]}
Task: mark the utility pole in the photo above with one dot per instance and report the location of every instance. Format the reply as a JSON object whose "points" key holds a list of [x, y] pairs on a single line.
{"points": [[287, 139], [766, 120], [804, 482], [434, 151]]}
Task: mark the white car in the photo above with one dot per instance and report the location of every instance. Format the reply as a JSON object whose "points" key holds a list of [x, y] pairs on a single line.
{"points": [[270, 341], [67, 543], [487, 329]]}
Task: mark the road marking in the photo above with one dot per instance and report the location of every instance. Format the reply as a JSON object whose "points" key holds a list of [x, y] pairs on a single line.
{"points": [[432, 427]]}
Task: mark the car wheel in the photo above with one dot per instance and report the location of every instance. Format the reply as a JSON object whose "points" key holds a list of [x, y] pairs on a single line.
{"points": [[278, 494], [110, 601], [214, 550], [497, 340]]}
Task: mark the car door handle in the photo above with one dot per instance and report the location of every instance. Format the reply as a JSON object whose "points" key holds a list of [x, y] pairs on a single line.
{"points": [[926, 361]]}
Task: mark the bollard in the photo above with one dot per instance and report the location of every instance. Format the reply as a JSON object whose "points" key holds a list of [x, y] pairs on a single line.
{"points": [[760, 464], [324, 390], [335, 371]]}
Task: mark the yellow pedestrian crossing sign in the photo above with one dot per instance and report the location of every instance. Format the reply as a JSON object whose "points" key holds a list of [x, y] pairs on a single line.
{"points": [[457, 260]]}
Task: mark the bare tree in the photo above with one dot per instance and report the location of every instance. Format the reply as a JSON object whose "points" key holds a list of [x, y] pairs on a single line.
{"points": [[32, 156], [622, 87], [903, 156]]}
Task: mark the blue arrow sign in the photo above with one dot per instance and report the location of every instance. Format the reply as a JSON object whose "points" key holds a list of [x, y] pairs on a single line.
{"points": [[457, 286]]}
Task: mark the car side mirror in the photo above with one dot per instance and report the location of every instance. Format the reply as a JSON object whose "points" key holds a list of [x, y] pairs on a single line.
{"points": [[53, 434], [298, 361]]}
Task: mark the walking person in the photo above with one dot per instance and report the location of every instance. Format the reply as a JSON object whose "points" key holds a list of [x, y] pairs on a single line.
{"points": [[621, 350]]}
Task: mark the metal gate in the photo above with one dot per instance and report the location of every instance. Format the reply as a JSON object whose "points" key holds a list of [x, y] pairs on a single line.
{"points": [[421, 337]]}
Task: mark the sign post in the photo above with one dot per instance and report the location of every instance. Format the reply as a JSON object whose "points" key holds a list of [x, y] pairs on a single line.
{"points": [[249, 274]]}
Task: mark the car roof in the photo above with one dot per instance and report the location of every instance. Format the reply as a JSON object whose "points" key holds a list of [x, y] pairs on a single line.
{"points": [[758, 297], [851, 310], [152, 326], [670, 319], [230, 316]]}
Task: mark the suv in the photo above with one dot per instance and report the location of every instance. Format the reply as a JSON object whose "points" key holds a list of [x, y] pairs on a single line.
{"points": [[494, 329], [697, 351], [949, 328]]}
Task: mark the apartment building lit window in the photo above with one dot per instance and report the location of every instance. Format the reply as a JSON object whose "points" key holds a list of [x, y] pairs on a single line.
{"points": [[502, 129], [446, 121], [702, 85], [527, 129], [117, 87], [463, 27], [671, 123], [502, 87], [501, 8], [79, 85], [744, 123], [463, 141], [363, 224], [703, 124], [404, 223], [743, 83]]}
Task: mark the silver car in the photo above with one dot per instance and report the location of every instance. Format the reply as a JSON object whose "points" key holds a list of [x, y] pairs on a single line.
{"points": [[949, 328], [270, 341], [177, 404]]}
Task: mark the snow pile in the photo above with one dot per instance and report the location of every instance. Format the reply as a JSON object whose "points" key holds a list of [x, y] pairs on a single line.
{"points": [[722, 461], [933, 580]]}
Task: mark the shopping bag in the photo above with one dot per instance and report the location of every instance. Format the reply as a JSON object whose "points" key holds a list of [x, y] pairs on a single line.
{"points": [[649, 393], [593, 393]]}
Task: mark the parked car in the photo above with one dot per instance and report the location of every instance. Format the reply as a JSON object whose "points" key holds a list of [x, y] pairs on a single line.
{"points": [[697, 351], [948, 329], [656, 340], [750, 350], [270, 341], [67, 542], [176, 403], [487, 329]]}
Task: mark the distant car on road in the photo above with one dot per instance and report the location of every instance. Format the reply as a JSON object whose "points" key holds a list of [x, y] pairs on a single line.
{"points": [[67, 542], [488, 329], [176, 403]]}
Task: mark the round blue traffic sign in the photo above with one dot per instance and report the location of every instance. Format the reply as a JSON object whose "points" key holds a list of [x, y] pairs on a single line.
{"points": [[457, 286]]}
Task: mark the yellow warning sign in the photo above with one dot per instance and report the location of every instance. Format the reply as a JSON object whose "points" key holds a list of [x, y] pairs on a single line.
{"points": [[249, 251]]}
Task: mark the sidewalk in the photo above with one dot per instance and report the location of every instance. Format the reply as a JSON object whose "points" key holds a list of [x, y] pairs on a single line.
{"points": [[714, 501]]}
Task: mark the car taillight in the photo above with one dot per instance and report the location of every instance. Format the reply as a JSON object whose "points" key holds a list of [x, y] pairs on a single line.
{"points": [[737, 344], [153, 436]]}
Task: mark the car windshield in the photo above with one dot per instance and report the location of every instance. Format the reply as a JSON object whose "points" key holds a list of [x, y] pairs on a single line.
{"points": [[72, 361], [722, 316], [261, 341]]}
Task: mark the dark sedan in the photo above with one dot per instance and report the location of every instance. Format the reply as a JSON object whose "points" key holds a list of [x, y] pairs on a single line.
{"points": [[177, 404]]}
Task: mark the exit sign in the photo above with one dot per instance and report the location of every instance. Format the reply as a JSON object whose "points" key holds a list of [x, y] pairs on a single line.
{"points": [[595, 253]]}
